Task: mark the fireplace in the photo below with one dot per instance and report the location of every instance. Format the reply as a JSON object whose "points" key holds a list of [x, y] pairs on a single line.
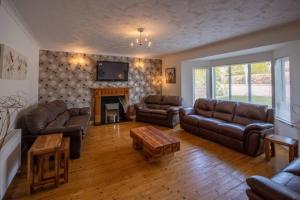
{"points": [[103, 96], [112, 110]]}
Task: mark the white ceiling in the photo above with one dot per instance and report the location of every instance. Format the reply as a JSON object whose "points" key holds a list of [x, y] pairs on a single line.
{"points": [[108, 26]]}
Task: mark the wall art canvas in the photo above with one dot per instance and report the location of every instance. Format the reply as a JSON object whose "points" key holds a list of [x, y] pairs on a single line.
{"points": [[13, 65], [170, 74]]}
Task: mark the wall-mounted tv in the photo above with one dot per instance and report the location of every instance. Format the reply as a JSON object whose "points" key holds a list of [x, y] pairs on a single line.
{"points": [[112, 71]]}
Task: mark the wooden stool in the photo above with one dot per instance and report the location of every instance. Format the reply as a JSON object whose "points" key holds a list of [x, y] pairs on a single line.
{"points": [[271, 140], [43, 146]]}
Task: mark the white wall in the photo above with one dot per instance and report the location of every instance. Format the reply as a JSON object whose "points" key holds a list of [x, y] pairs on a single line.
{"points": [[14, 34], [292, 51], [285, 33], [187, 80]]}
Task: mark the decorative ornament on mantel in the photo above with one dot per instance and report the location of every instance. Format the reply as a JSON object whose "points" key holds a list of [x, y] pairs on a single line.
{"points": [[141, 40]]}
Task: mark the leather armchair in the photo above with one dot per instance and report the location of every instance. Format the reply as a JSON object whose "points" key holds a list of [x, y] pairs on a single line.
{"points": [[283, 186]]}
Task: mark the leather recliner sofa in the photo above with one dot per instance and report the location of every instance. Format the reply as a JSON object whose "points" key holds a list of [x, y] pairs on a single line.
{"points": [[54, 117], [157, 109], [240, 126], [285, 185]]}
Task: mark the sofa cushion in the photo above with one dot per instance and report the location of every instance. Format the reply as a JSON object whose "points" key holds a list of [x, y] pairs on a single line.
{"points": [[165, 107], [60, 120], [205, 107], [250, 113], [209, 123], [157, 111], [232, 130], [153, 99], [171, 100], [224, 110], [153, 106], [54, 109], [288, 180]]}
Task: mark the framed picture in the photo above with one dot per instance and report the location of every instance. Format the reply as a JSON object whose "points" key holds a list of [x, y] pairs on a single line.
{"points": [[170, 74], [13, 65]]}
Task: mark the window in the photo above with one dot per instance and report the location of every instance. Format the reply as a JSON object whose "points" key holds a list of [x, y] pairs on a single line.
{"points": [[239, 83], [261, 83], [200, 85], [248, 82], [282, 88], [221, 82]]}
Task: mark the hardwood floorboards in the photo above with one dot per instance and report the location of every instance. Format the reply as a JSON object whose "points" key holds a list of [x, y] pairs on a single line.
{"points": [[109, 168]]}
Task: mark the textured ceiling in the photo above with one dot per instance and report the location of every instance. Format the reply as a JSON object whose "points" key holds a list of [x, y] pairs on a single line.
{"points": [[108, 26]]}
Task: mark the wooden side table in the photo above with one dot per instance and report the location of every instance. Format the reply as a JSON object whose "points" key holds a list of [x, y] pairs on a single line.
{"points": [[64, 163], [42, 147], [271, 140]]}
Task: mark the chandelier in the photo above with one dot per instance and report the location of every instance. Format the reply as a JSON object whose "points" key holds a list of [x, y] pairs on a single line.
{"points": [[141, 41]]}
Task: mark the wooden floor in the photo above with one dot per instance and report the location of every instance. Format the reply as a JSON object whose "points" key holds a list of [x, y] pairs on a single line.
{"points": [[110, 168]]}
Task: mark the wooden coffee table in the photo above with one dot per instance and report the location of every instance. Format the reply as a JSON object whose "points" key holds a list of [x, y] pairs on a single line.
{"points": [[154, 142]]}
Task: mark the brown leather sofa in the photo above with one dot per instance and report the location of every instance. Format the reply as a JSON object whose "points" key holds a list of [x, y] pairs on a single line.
{"points": [[54, 117], [240, 126], [283, 186], [157, 109]]}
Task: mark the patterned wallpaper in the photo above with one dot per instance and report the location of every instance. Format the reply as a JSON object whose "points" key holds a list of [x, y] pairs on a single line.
{"points": [[70, 77]]}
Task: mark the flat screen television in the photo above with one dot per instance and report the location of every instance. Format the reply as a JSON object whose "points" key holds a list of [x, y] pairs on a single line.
{"points": [[112, 71]]}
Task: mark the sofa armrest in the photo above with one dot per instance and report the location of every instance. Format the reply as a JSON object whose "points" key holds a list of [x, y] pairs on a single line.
{"points": [[139, 106], [67, 131], [80, 111], [85, 111], [268, 189], [186, 111], [258, 127], [173, 109]]}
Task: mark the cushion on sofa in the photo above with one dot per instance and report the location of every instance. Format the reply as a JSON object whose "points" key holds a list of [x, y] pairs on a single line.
{"points": [[171, 100], [153, 99], [231, 130], [157, 111], [224, 110], [205, 107], [54, 109], [153, 106], [249, 113], [209, 123], [60, 120]]}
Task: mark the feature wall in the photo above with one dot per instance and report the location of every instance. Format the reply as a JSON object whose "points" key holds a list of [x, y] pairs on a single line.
{"points": [[71, 77]]}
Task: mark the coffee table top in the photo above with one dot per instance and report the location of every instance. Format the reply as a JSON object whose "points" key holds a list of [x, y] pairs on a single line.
{"points": [[46, 144], [153, 137]]}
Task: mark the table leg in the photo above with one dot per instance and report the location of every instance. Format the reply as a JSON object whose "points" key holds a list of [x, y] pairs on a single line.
{"points": [[296, 151], [56, 167], [272, 149], [30, 172], [291, 153], [267, 150]]}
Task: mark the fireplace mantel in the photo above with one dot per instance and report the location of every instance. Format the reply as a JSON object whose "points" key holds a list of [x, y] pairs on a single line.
{"points": [[101, 92]]}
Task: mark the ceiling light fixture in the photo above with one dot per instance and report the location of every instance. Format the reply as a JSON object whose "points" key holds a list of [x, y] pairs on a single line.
{"points": [[141, 41]]}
